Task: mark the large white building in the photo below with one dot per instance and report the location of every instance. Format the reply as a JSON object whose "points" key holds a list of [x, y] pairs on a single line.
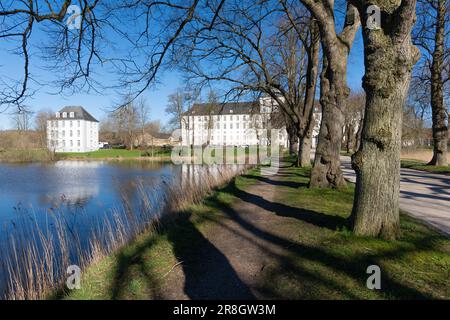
{"points": [[231, 124], [72, 129]]}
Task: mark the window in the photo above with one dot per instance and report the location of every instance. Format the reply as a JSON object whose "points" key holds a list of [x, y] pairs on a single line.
{"points": [[78, 133], [224, 126], [64, 114], [63, 133], [57, 115], [231, 126], [237, 125], [71, 133], [71, 143], [72, 114], [71, 123]]}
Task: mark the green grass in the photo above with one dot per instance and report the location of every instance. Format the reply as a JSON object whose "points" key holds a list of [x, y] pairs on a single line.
{"points": [[420, 165], [116, 153], [322, 260]]}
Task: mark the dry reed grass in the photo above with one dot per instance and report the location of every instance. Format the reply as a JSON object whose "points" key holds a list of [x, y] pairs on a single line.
{"points": [[36, 257]]}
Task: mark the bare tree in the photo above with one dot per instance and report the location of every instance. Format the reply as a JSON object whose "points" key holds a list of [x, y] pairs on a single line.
{"points": [[143, 110], [20, 19], [126, 120], [353, 114], [22, 119], [257, 56], [176, 107], [336, 47], [41, 119], [213, 100], [430, 35], [417, 112]]}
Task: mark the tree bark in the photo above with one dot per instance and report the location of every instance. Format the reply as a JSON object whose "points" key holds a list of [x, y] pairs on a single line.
{"points": [[293, 139], [439, 114], [349, 137], [389, 58], [326, 172], [307, 125], [304, 153], [358, 134]]}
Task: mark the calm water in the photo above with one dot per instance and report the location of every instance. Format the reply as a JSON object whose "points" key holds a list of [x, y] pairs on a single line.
{"points": [[83, 198], [89, 187], [83, 192]]}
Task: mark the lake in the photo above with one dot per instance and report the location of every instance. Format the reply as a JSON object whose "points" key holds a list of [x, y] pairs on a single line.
{"points": [[82, 197]]}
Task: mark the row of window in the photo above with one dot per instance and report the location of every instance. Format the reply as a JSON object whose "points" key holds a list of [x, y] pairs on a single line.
{"points": [[65, 114], [71, 143], [218, 118], [60, 123], [54, 133], [217, 126]]}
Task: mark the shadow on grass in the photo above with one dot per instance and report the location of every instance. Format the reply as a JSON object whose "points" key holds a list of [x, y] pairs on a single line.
{"points": [[317, 271], [207, 272], [316, 218], [297, 253], [291, 184]]}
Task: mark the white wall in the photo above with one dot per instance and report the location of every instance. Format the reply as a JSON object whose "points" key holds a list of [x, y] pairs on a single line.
{"points": [[71, 135], [228, 129]]}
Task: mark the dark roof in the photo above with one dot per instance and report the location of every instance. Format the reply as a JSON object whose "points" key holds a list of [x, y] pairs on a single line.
{"points": [[204, 109], [80, 114]]}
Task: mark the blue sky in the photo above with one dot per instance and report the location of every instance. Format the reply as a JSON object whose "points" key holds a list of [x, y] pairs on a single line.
{"points": [[98, 104]]}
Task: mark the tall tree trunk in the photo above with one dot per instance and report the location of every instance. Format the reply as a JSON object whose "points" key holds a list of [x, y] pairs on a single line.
{"points": [[293, 139], [389, 58], [326, 172], [349, 138], [307, 125], [440, 129], [358, 134], [304, 153]]}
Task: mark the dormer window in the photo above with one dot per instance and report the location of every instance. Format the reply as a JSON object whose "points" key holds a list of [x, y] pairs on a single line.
{"points": [[64, 114], [72, 115], [57, 115]]}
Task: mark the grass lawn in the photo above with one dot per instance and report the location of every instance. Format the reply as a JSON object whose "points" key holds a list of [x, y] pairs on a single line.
{"points": [[421, 165], [115, 153], [324, 260]]}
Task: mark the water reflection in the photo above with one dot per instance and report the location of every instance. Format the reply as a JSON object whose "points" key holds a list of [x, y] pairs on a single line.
{"points": [[93, 198]]}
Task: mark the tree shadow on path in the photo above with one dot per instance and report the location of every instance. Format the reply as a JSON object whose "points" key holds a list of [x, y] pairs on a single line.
{"points": [[208, 273], [316, 218]]}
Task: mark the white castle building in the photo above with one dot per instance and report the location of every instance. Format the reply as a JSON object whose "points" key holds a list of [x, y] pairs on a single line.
{"points": [[72, 129], [231, 124]]}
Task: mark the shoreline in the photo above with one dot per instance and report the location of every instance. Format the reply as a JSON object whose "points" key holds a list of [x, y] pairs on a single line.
{"points": [[306, 233]]}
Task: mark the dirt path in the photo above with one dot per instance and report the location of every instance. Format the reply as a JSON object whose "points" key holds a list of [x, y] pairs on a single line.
{"points": [[232, 257]]}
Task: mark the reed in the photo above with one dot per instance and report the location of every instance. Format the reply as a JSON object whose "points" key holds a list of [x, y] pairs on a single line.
{"points": [[36, 255]]}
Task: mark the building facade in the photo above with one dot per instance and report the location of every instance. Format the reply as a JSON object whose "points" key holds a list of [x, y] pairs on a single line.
{"points": [[72, 129], [232, 124]]}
